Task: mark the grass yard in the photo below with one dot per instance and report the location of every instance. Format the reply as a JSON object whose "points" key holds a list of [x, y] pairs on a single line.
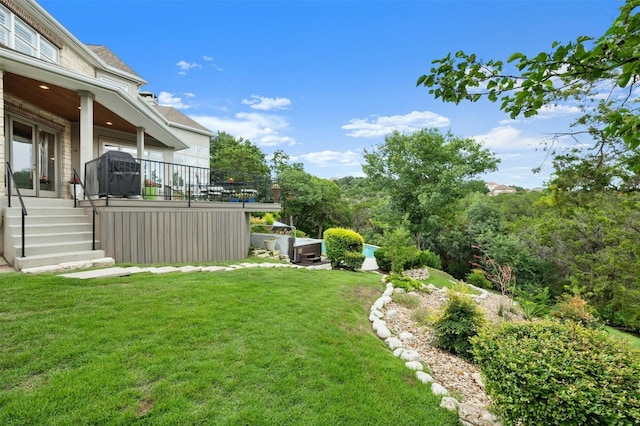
{"points": [[630, 339], [249, 347], [441, 279]]}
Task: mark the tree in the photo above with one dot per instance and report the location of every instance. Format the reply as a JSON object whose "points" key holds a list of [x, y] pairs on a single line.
{"points": [[580, 70], [235, 158], [425, 173], [309, 202]]}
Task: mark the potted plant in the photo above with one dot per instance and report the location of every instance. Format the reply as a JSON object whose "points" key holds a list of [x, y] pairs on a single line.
{"points": [[150, 189], [270, 244], [276, 192]]}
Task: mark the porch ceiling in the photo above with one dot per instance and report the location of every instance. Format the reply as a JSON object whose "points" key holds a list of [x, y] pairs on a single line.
{"points": [[61, 101]]}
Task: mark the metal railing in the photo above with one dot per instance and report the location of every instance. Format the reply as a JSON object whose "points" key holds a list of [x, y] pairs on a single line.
{"points": [[158, 180], [12, 178], [77, 180]]}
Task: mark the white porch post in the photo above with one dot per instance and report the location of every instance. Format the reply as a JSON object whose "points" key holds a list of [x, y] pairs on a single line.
{"points": [[140, 153], [3, 141], [86, 130]]}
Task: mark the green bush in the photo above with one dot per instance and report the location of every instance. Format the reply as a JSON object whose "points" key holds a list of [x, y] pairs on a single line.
{"points": [[404, 282], [575, 308], [382, 259], [460, 321], [477, 278], [353, 261], [430, 259], [550, 373], [339, 241], [407, 257], [268, 218]]}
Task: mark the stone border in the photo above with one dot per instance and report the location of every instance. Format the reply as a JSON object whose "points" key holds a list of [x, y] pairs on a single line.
{"points": [[469, 414]]}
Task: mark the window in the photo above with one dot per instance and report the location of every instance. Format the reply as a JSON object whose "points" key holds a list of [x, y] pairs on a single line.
{"points": [[17, 34]]}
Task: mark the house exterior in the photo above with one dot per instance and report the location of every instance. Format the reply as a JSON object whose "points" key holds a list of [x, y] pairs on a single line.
{"points": [[63, 104]]}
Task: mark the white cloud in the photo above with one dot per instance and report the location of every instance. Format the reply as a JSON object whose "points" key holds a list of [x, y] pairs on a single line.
{"points": [[185, 66], [553, 111], [381, 126], [261, 129], [168, 99], [189, 94], [331, 158], [267, 104], [207, 58], [507, 137]]}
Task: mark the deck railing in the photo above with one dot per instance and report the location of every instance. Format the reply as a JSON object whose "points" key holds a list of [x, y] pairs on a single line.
{"points": [[108, 177]]}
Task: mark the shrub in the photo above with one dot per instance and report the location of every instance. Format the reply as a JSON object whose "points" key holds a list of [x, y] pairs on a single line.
{"points": [[353, 261], [553, 373], [339, 241], [407, 257], [382, 259], [430, 259], [404, 282], [478, 278], [460, 321], [575, 308], [268, 218]]}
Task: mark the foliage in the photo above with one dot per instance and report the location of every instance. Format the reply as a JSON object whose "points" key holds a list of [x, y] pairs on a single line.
{"points": [[310, 201], [460, 321], [404, 282], [398, 249], [477, 278], [549, 373], [501, 276], [581, 70], [353, 261], [268, 218], [425, 173], [575, 308], [427, 258], [339, 241], [382, 259], [237, 157]]}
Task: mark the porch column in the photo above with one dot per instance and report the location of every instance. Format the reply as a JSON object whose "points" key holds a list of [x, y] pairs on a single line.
{"points": [[86, 130], [140, 153], [3, 142]]}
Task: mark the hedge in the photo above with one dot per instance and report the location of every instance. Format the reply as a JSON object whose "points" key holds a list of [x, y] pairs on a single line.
{"points": [[339, 241]]}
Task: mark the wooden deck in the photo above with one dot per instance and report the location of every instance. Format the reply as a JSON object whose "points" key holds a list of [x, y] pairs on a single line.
{"points": [[158, 231]]}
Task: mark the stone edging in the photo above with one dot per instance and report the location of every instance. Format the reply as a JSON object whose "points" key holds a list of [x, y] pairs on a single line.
{"points": [[470, 414]]}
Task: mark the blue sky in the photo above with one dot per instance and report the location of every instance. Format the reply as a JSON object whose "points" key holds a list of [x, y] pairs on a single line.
{"points": [[324, 80]]}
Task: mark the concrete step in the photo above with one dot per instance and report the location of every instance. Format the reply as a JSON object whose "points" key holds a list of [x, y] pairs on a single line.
{"points": [[49, 237], [55, 247], [32, 219], [49, 229], [56, 258]]}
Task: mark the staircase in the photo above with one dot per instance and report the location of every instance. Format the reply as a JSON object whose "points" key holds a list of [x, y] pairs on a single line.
{"points": [[55, 232]]}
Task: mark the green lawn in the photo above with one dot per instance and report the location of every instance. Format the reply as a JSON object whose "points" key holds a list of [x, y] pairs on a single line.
{"points": [[632, 341], [441, 279], [249, 347]]}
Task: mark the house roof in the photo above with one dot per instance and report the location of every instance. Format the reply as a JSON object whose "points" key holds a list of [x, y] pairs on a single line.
{"points": [[110, 58], [174, 116]]}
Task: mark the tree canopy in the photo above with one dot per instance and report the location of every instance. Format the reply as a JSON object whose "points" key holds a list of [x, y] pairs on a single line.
{"points": [[601, 74], [236, 157], [425, 173]]}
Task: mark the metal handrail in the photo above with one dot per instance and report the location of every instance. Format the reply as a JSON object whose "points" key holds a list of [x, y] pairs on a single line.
{"points": [[24, 209], [76, 180]]}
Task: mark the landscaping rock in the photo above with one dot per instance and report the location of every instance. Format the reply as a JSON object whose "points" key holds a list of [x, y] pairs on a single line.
{"points": [[410, 355], [393, 343], [449, 403], [405, 335], [398, 352], [438, 389], [476, 415], [383, 332], [414, 365], [424, 377], [392, 313]]}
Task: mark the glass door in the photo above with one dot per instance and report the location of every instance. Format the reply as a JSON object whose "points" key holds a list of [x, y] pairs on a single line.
{"points": [[33, 160], [23, 158], [46, 164]]}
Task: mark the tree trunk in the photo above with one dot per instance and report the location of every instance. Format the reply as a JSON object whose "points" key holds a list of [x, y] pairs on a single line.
{"points": [[320, 231]]}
